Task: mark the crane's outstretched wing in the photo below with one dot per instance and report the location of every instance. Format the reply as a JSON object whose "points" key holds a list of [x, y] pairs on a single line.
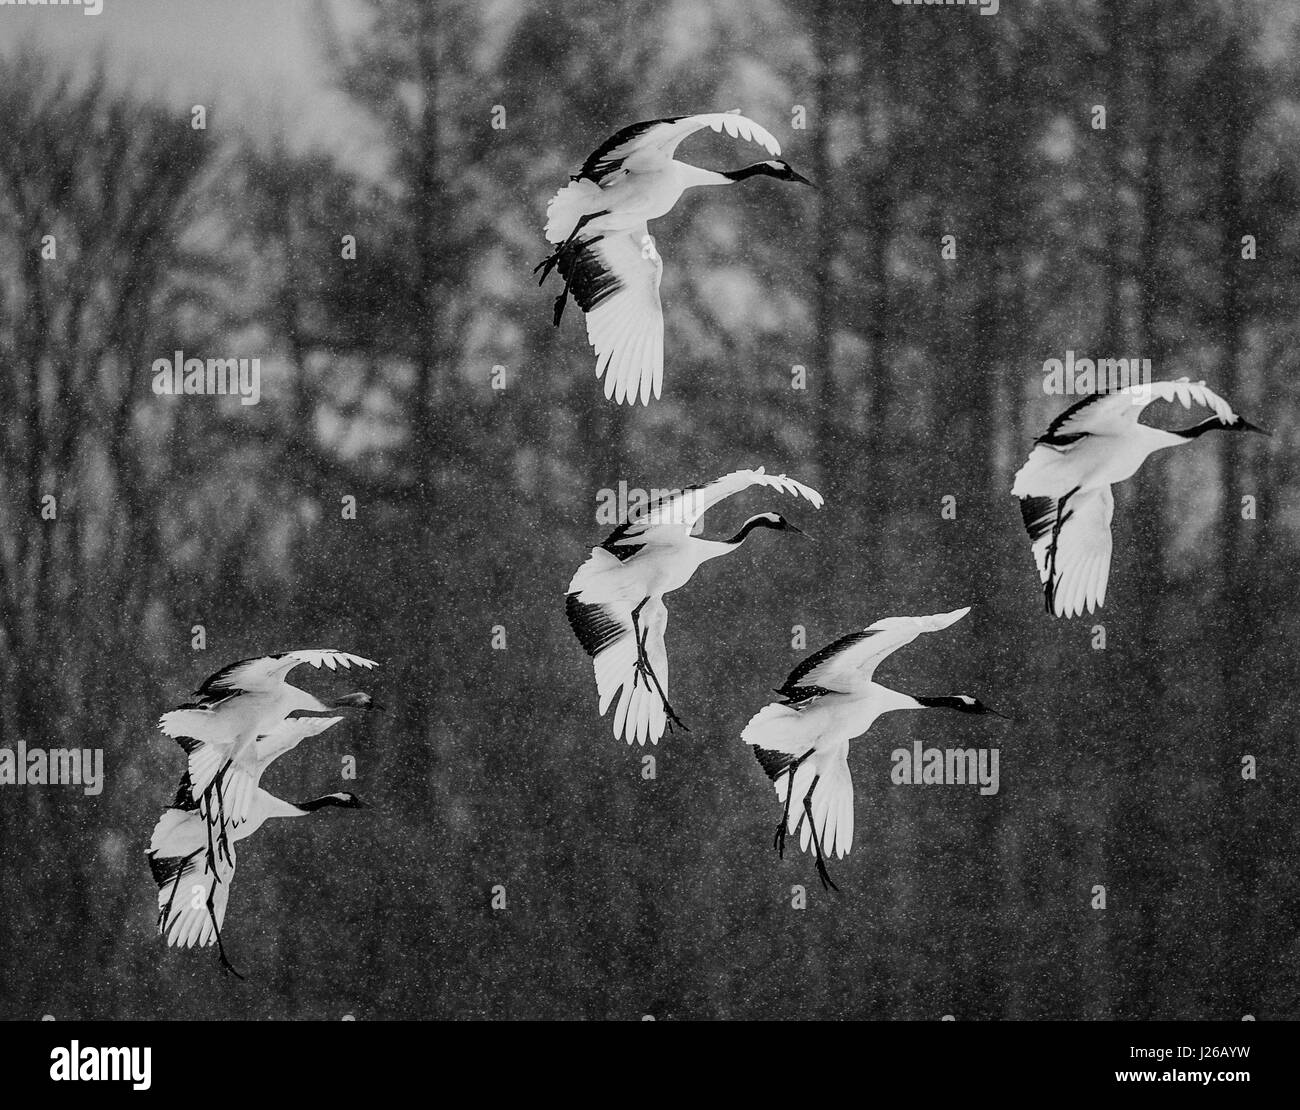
{"points": [[1072, 547], [198, 717], [648, 145], [1109, 413], [848, 664], [267, 671], [615, 280], [680, 511], [188, 875], [601, 617]]}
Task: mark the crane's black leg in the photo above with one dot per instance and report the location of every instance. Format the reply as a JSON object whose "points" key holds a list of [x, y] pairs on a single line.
{"points": [[778, 841], [673, 719], [164, 915], [226, 965], [822, 873], [547, 264], [553, 259], [642, 663], [1049, 592], [645, 671], [222, 841], [206, 813]]}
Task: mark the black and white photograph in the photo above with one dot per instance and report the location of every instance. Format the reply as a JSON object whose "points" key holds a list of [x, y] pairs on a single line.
{"points": [[680, 511]]}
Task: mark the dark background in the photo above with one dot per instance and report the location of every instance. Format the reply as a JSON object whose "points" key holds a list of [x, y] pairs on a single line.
{"points": [[626, 896]]}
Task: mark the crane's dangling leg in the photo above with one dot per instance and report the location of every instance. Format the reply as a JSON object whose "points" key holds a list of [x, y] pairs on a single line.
{"points": [[822, 873], [642, 668], [1049, 592], [226, 965], [222, 842], [164, 914], [779, 841], [547, 264], [207, 826], [645, 671]]}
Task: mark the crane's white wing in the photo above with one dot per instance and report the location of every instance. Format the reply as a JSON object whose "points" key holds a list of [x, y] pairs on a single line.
{"points": [[1072, 547], [649, 145], [831, 803], [848, 664], [781, 734], [268, 671], [1111, 413], [679, 512], [601, 617], [201, 719], [201, 723], [615, 280], [186, 874]]}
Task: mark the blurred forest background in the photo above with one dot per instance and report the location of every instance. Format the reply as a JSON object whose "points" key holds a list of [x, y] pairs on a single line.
{"points": [[627, 896]]}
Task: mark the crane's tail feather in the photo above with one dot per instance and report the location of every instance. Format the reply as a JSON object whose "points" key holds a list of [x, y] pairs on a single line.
{"points": [[775, 729], [568, 206]]}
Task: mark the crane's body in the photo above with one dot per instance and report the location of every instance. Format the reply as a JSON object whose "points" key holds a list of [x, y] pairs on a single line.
{"points": [[193, 882], [831, 698], [1103, 459], [604, 250], [615, 600], [626, 204], [1065, 485], [191, 852]]}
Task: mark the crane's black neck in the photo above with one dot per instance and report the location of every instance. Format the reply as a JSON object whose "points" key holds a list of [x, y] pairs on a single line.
{"points": [[313, 804], [942, 701], [749, 526], [758, 169], [1213, 424]]}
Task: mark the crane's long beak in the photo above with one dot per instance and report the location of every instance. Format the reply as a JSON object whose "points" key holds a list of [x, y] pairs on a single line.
{"points": [[1247, 426], [997, 714], [795, 175], [800, 532]]}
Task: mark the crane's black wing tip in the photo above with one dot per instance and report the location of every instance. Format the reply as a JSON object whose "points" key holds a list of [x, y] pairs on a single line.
{"points": [[774, 763], [596, 626]]}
